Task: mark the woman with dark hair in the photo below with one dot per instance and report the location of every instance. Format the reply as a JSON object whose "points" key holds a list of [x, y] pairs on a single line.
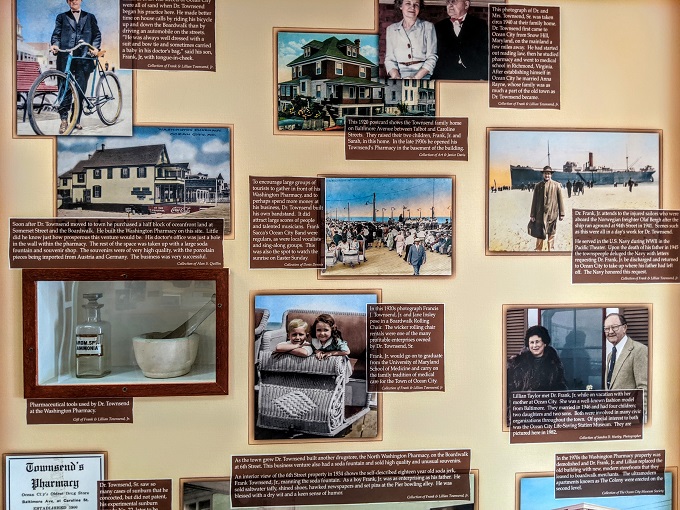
{"points": [[538, 366], [411, 44]]}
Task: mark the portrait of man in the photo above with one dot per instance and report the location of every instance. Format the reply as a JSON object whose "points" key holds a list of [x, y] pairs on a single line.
{"points": [[547, 207], [462, 44], [627, 363], [70, 28]]}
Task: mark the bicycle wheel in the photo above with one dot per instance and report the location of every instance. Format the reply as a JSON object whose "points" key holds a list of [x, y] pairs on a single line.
{"points": [[49, 99], [109, 99]]}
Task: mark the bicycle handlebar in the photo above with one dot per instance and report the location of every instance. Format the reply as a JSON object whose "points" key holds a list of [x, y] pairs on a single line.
{"points": [[80, 44]]}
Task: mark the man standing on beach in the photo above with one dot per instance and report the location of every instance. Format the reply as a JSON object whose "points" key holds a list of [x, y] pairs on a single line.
{"points": [[546, 207]]}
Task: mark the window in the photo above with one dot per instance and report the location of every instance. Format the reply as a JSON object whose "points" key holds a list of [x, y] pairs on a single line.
{"points": [[97, 191], [352, 92], [141, 172], [97, 173], [411, 94], [308, 51], [81, 178], [363, 92], [64, 182], [125, 173], [406, 83], [294, 72], [394, 95], [159, 173], [299, 71], [318, 91], [354, 51], [318, 68], [362, 72], [303, 87], [338, 68], [109, 173], [378, 93]]}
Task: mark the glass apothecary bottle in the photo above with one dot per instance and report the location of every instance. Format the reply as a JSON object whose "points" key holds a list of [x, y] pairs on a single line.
{"points": [[93, 341]]}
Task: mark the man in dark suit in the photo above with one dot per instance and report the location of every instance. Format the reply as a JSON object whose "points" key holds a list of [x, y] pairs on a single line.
{"points": [[416, 256], [462, 45], [70, 28]]}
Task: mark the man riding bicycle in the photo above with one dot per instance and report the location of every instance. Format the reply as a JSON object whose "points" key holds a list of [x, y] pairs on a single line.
{"points": [[70, 28]]}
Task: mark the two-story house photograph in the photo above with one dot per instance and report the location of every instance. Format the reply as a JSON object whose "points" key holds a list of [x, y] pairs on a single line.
{"points": [[324, 77]]}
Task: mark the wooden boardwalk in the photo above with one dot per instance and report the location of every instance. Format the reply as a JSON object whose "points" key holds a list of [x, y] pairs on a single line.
{"points": [[383, 262]]}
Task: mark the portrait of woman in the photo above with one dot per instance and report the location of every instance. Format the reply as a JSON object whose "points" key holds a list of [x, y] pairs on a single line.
{"points": [[411, 44], [538, 366]]}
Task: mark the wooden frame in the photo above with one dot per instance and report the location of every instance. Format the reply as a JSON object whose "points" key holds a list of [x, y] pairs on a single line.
{"points": [[211, 379]]}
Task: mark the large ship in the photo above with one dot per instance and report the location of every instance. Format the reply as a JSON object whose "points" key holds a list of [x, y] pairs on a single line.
{"points": [[522, 176]]}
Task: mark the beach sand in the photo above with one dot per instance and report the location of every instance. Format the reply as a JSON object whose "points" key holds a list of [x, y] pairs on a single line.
{"points": [[508, 213]]}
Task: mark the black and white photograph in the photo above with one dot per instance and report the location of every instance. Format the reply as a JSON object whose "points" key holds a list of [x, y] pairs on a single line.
{"points": [[311, 366]]}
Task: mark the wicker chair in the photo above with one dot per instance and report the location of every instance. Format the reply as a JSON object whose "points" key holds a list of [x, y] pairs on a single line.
{"points": [[308, 395]]}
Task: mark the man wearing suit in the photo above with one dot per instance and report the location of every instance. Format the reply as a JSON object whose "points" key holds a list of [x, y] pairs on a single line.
{"points": [[417, 255], [627, 364], [462, 45], [70, 28]]}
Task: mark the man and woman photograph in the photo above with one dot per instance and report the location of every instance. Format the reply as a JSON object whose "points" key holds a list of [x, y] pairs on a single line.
{"points": [[454, 45], [617, 363]]}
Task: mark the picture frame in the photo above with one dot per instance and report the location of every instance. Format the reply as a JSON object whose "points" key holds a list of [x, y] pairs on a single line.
{"points": [[599, 160], [303, 397], [137, 302], [62, 479]]}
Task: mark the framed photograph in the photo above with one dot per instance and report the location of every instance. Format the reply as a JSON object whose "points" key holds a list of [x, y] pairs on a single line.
{"points": [[536, 491], [574, 169], [310, 365], [158, 172], [113, 333], [569, 347], [46, 82], [434, 40], [322, 77], [389, 226], [53, 480]]}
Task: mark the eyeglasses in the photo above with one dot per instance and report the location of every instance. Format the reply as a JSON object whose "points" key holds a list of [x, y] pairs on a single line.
{"points": [[612, 328]]}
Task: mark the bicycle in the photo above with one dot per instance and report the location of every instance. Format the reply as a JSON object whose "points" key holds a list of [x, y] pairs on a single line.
{"points": [[53, 92]]}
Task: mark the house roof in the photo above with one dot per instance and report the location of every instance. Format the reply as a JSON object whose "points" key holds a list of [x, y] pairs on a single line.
{"points": [[133, 156], [140, 155], [330, 48]]}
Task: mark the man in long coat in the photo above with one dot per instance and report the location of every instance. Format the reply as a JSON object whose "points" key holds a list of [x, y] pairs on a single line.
{"points": [[546, 208], [417, 255]]}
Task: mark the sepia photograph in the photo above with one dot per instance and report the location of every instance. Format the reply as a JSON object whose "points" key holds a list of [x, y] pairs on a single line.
{"points": [[535, 178], [434, 39], [311, 365], [67, 69], [389, 226]]}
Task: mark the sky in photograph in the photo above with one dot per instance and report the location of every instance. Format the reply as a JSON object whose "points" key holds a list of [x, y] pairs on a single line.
{"points": [[206, 150], [279, 303], [530, 148], [539, 494], [290, 47], [394, 192], [37, 21]]}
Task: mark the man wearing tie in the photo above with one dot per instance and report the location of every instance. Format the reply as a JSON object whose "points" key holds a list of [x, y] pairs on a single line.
{"points": [[627, 364], [70, 28], [417, 255], [462, 44]]}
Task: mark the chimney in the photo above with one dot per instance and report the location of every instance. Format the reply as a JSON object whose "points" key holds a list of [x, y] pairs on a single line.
{"points": [[590, 159], [358, 43], [103, 146]]}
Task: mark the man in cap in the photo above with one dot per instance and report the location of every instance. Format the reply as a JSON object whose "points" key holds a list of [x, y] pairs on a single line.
{"points": [[547, 207]]}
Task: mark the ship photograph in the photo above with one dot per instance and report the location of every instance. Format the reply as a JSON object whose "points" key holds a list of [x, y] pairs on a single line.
{"points": [[596, 169]]}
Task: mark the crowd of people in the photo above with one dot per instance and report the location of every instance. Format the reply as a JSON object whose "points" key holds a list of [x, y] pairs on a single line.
{"points": [[345, 240]]}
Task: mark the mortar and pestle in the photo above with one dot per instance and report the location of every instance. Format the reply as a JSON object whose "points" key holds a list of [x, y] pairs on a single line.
{"points": [[162, 355]]}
